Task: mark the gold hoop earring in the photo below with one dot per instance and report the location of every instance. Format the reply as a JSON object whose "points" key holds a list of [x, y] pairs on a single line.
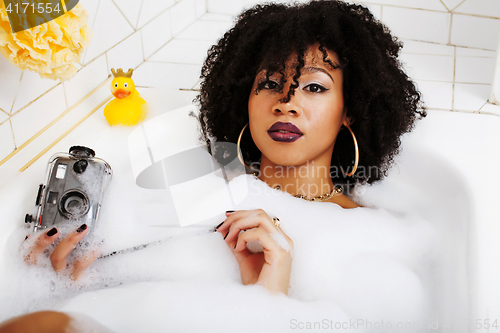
{"points": [[238, 149], [356, 154]]}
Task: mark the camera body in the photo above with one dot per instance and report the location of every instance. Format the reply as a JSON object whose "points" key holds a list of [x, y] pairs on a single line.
{"points": [[73, 190]]}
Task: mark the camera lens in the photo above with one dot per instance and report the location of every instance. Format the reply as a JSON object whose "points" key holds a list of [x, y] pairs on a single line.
{"points": [[74, 204]]}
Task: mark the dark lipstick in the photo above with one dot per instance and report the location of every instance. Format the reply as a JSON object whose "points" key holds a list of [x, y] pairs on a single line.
{"points": [[284, 132]]}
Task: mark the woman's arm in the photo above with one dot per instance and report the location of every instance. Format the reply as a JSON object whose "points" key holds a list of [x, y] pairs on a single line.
{"points": [[270, 268]]}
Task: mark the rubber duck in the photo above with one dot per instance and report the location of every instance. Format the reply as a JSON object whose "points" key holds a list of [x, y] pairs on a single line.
{"points": [[128, 108]]}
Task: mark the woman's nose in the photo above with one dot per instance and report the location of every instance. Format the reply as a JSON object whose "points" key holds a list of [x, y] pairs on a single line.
{"points": [[287, 105]]}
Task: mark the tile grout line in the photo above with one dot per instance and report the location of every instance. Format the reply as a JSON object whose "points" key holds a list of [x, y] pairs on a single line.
{"points": [[34, 159], [146, 59], [461, 3], [125, 17], [445, 6], [13, 136], [139, 16], [15, 95], [450, 29], [93, 23], [43, 130], [160, 13], [33, 101], [434, 10]]}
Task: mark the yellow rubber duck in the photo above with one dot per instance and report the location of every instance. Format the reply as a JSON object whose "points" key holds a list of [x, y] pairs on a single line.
{"points": [[128, 108]]}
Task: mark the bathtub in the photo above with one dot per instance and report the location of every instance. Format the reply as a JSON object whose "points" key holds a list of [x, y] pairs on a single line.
{"points": [[440, 176]]}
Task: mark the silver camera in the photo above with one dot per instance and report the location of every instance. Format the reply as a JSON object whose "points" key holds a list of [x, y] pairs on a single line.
{"points": [[73, 190]]}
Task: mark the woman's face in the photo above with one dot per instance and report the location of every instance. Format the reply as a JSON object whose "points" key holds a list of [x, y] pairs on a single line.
{"points": [[303, 129]]}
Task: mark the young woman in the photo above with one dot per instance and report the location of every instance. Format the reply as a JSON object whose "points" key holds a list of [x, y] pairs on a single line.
{"points": [[317, 100]]}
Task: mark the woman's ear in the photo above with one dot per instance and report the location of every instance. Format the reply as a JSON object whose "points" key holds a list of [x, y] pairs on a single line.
{"points": [[347, 121]]}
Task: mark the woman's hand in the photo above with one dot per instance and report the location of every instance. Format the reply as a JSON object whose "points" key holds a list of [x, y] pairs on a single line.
{"points": [[62, 250], [270, 268]]}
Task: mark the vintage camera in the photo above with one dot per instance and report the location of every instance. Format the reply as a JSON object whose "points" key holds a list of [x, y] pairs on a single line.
{"points": [[73, 190]]}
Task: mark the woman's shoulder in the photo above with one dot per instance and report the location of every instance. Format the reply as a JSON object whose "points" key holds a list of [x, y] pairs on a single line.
{"points": [[344, 201]]}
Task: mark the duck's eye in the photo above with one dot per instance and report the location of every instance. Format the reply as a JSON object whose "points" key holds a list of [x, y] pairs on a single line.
{"points": [[116, 84], [126, 85]]}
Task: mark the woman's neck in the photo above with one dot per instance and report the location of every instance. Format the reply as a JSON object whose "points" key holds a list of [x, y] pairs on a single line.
{"points": [[310, 179]]}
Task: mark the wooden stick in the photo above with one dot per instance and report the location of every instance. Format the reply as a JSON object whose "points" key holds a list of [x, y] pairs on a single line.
{"points": [[27, 165], [8, 157]]}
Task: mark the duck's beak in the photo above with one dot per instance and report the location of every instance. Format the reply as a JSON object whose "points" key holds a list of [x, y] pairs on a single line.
{"points": [[120, 93]]}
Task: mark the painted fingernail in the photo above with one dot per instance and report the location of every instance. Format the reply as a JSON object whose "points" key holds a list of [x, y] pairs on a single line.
{"points": [[81, 228], [52, 232], [226, 235], [217, 227]]}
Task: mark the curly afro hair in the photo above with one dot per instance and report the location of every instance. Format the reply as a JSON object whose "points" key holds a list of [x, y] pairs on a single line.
{"points": [[381, 100]]}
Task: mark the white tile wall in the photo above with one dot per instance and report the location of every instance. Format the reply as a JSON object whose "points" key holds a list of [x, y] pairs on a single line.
{"points": [[471, 97], [475, 70], [151, 8], [490, 109], [31, 87], [31, 120], [110, 28], [182, 15], [86, 80], [480, 7], [429, 67], [475, 32], [419, 25], [91, 6], [468, 52], [130, 9], [156, 34], [451, 4], [436, 95], [10, 79], [127, 54], [183, 51], [419, 4], [448, 51], [3, 116], [159, 74], [217, 17], [6, 139], [201, 8], [415, 47], [210, 31]]}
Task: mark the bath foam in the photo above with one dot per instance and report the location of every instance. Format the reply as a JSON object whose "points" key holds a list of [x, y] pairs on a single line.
{"points": [[357, 265], [200, 273]]}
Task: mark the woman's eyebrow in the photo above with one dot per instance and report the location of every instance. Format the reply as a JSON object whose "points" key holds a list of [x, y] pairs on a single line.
{"points": [[311, 69]]}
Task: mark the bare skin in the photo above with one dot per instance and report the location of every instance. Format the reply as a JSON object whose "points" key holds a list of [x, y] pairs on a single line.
{"points": [[58, 257], [298, 166], [37, 322]]}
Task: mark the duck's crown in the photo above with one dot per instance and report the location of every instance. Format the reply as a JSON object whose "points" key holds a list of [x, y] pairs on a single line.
{"points": [[121, 73]]}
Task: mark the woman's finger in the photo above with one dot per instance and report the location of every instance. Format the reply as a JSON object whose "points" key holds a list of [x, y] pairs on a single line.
{"points": [[83, 263], [64, 248], [254, 219], [43, 240]]}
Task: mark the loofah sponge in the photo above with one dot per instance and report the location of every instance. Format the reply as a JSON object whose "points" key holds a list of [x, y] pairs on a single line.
{"points": [[51, 49]]}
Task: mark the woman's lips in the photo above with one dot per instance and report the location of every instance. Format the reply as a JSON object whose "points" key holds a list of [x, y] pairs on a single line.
{"points": [[284, 132]]}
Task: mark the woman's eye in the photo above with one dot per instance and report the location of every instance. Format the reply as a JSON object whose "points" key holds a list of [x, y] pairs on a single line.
{"points": [[315, 88], [268, 84]]}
